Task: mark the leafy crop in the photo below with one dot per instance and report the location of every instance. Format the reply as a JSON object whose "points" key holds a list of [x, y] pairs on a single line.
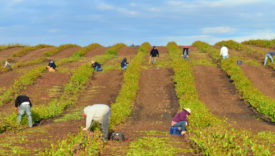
{"points": [[261, 43], [58, 49], [28, 49], [264, 104], [212, 135], [3, 47]]}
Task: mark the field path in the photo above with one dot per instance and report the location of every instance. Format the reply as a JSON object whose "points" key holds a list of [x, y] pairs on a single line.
{"points": [[220, 96], [35, 54], [8, 52], [155, 106], [65, 53]]}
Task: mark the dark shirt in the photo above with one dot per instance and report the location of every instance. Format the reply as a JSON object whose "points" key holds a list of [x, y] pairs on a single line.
{"points": [[20, 99], [124, 63], [271, 53], [94, 65], [181, 116], [52, 64], [185, 50], [154, 53]]}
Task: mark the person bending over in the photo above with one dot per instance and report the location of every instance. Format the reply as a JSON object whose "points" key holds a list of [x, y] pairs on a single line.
{"points": [[180, 120]]}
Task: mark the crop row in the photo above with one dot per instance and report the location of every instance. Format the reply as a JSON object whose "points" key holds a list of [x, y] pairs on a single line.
{"points": [[58, 49], [3, 47], [212, 135], [30, 77], [264, 104], [121, 109], [261, 43], [28, 49], [247, 50]]}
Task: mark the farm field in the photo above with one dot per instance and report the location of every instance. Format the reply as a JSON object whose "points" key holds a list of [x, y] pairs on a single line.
{"points": [[233, 106]]}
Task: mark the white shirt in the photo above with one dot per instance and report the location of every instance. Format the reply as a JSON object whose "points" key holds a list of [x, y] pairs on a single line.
{"points": [[224, 51]]}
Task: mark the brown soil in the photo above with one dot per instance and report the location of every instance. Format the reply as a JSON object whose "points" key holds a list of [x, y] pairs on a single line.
{"points": [[8, 52], [106, 86], [8, 78], [65, 53], [222, 99], [155, 106], [262, 78], [127, 51], [97, 51], [34, 54]]}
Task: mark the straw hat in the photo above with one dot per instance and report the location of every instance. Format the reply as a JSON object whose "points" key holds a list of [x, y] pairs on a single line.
{"points": [[188, 110]]}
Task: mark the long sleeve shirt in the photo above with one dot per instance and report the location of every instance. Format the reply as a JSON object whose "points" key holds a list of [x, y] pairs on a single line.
{"points": [[20, 99], [154, 53], [224, 51], [181, 116], [97, 112]]}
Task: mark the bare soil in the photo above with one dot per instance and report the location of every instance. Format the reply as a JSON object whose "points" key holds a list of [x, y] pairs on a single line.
{"points": [[8, 78], [222, 99], [97, 51], [65, 53], [262, 78], [108, 85], [8, 52], [127, 51], [33, 54]]}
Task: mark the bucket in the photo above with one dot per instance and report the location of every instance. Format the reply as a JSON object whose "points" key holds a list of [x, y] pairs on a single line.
{"points": [[174, 131]]}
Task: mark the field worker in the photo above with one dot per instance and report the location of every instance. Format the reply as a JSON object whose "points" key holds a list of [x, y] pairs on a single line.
{"points": [[23, 104], [154, 53], [124, 63], [96, 66], [269, 55], [180, 120], [224, 52], [51, 66], [185, 52], [7, 64], [100, 113]]}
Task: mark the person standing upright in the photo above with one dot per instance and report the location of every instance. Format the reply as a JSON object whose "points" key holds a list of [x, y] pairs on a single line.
{"points": [[23, 104], [185, 52], [154, 54], [224, 52]]}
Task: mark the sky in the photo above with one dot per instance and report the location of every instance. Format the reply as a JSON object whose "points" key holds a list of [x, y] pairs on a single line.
{"points": [[108, 22]]}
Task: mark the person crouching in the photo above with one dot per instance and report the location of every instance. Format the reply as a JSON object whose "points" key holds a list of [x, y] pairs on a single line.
{"points": [[124, 64], [51, 66], [100, 113], [96, 66], [180, 120]]}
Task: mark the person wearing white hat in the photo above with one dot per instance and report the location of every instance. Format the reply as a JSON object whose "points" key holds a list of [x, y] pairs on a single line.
{"points": [[180, 120], [96, 66]]}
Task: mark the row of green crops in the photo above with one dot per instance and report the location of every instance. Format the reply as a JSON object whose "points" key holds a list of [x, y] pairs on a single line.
{"points": [[247, 50], [57, 105], [212, 135], [28, 49], [3, 47], [30, 76], [261, 43], [58, 49], [264, 104], [121, 109]]}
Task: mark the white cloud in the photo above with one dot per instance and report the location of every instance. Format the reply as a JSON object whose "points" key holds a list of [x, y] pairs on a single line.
{"points": [[104, 6], [133, 4], [218, 30], [125, 11], [251, 15], [52, 30]]}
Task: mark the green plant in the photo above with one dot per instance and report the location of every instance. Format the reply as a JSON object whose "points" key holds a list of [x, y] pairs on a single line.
{"points": [[58, 49], [28, 49], [3, 47]]}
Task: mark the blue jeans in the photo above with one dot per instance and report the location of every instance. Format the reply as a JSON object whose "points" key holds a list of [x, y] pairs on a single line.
{"points": [[181, 124], [22, 109], [98, 69], [266, 58], [125, 67], [185, 57], [225, 57]]}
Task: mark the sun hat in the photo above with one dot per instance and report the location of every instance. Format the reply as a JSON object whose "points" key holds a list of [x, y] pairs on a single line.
{"points": [[188, 110]]}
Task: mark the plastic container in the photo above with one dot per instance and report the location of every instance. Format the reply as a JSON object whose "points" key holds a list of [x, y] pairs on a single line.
{"points": [[175, 131]]}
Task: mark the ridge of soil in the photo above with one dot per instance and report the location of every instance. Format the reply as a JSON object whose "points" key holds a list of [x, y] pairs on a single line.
{"points": [[8, 52], [8, 78], [220, 96], [53, 131], [262, 78], [65, 53], [96, 51], [127, 51], [33, 54]]}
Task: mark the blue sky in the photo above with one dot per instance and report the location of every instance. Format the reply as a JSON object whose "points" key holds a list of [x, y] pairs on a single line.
{"points": [[134, 21]]}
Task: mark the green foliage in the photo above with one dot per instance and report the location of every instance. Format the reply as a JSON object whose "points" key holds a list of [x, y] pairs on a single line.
{"points": [[212, 135], [28, 49], [264, 105], [261, 43], [231, 44], [127, 95], [3, 47], [84, 50], [58, 49], [114, 48]]}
